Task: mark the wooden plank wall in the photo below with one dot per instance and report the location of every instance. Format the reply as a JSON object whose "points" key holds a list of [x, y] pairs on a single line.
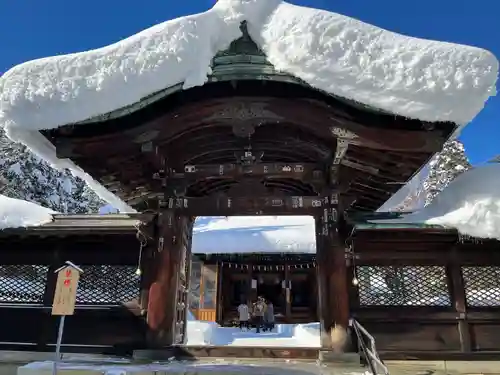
{"points": [[448, 324]]}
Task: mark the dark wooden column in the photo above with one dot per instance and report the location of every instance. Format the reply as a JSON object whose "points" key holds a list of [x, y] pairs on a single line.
{"points": [[251, 292], [325, 297], [148, 273], [331, 265], [287, 293], [458, 298], [163, 293], [338, 280], [220, 293]]}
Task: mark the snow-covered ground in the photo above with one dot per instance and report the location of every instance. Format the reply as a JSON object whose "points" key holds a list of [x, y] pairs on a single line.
{"points": [[412, 77], [284, 335], [253, 234], [15, 213], [470, 203]]}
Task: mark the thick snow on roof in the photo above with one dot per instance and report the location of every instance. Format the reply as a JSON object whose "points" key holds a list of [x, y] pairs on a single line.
{"points": [[416, 78], [411, 77], [15, 213], [470, 203], [254, 234]]}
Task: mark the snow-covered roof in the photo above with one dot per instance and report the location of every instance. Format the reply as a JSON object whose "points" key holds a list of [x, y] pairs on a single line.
{"points": [[15, 213], [254, 234], [416, 78], [470, 204]]}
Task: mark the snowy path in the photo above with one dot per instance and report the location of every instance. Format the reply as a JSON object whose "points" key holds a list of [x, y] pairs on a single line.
{"points": [[284, 335]]}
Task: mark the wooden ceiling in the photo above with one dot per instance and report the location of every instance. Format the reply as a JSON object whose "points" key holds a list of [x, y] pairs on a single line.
{"points": [[279, 122]]}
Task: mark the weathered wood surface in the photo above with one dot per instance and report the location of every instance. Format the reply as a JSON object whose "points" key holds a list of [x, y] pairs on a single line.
{"points": [[485, 337], [414, 336]]}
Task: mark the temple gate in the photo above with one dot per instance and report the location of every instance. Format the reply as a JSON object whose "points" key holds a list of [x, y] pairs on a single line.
{"points": [[252, 141]]}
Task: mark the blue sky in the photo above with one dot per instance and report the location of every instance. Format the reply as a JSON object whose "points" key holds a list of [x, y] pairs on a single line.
{"points": [[32, 29]]}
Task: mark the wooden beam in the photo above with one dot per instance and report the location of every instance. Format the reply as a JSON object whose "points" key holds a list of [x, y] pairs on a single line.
{"points": [[287, 291], [296, 170], [226, 206]]}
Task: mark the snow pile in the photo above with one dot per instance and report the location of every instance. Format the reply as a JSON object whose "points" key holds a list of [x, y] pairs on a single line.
{"points": [[253, 234], [470, 203], [308, 334], [15, 213], [411, 77], [201, 333]]}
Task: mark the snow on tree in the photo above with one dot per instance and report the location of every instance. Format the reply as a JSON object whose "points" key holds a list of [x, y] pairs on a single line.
{"points": [[24, 176], [431, 179], [444, 167]]}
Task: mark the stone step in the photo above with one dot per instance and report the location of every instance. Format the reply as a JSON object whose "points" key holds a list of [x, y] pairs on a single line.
{"points": [[220, 367], [331, 358]]}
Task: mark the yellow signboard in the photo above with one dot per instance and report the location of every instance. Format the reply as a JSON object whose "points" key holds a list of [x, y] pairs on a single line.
{"points": [[65, 293]]}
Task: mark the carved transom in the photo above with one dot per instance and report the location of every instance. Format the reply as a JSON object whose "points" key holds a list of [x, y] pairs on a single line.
{"points": [[245, 116]]}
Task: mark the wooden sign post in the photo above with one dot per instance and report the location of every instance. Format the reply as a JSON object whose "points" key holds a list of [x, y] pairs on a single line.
{"points": [[64, 300]]}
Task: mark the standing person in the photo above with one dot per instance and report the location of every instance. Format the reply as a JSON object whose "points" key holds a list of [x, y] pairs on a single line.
{"points": [[269, 316], [258, 313], [243, 315]]}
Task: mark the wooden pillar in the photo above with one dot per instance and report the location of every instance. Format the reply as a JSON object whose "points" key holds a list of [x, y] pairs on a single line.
{"points": [[163, 293], [338, 281], [287, 291], [220, 293], [332, 276], [323, 268], [148, 274], [458, 298], [251, 292]]}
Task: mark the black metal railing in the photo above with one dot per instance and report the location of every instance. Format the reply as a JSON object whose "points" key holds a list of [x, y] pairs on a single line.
{"points": [[366, 343]]}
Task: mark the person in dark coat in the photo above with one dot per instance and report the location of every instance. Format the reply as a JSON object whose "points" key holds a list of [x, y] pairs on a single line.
{"points": [[269, 317], [259, 308]]}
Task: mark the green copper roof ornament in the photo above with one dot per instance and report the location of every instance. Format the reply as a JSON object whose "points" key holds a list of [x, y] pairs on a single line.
{"points": [[244, 45]]}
